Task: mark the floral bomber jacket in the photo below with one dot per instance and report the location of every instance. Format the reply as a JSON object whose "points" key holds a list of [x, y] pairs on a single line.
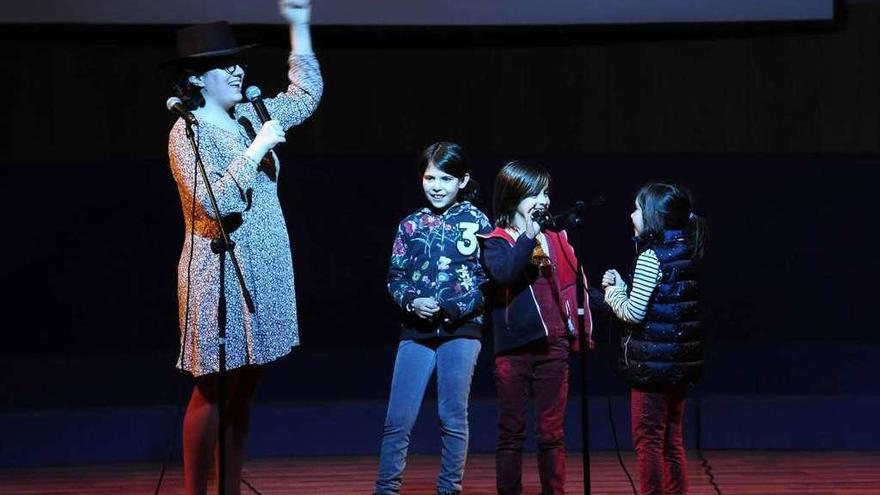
{"points": [[438, 255]]}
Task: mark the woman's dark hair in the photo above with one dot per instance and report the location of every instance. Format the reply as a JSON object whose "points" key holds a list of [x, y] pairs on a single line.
{"points": [[668, 207], [190, 94], [516, 181], [449, 158]]}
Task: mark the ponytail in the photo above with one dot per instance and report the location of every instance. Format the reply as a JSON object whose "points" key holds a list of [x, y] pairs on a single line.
{"points": [[697, 233], [470, 192]]}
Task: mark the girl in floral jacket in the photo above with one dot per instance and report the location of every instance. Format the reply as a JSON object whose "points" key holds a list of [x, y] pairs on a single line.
{"points": [[435, 278]]}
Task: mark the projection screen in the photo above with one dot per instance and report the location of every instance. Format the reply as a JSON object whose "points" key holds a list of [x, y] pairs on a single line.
{"points": [[421, 12]]}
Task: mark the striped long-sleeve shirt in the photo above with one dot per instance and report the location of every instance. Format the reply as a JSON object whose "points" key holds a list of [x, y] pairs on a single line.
{"points": [[633, 307]]}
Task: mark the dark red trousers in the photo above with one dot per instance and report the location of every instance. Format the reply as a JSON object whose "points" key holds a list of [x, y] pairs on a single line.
{"points": [[657, 417], [542, 373]]}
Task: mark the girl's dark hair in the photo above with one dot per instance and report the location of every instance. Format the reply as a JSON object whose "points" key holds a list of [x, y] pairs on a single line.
{"points": [[450, 158], [668, 207], [516, 181]]}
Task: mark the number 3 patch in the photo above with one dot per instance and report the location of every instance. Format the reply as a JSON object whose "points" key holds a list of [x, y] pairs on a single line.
{"points": [[467, 245]]}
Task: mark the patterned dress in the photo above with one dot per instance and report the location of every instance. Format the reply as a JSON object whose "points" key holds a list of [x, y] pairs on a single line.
{"points": [[247, 194]]}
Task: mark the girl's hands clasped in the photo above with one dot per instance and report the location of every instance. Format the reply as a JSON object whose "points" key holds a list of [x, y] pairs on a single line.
{"points": [[611, 278], [425, 307]]}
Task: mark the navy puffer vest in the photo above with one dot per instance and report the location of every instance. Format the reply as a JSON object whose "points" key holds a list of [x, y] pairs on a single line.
{"points": [[667, 347]]}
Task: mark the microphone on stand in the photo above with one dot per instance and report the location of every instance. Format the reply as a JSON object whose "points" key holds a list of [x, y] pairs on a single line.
{"points": [[255, 96], [175, 105], [570, 218]]}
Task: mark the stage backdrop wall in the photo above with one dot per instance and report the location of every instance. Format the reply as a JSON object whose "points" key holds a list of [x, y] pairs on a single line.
{"points": [[92, 310], [94, 92]]}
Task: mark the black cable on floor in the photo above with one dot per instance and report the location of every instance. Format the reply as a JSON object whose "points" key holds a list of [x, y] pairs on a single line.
{"points": [[252, 488], [617, 447], [172, 442], [192, 220], [704, 461], [611, 413]]}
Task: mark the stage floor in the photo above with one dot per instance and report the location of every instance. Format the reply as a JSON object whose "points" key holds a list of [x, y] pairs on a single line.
{"points": [[736, 472]]}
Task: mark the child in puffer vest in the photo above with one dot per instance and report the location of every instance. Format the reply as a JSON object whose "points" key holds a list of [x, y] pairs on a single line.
{"points": [[662, 349]]}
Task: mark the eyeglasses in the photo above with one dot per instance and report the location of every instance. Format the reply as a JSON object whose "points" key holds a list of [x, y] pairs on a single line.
{"points": [[230, 69]]}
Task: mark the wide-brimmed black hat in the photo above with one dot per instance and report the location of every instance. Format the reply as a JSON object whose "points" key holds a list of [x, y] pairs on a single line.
{"points": [[203, 42]]}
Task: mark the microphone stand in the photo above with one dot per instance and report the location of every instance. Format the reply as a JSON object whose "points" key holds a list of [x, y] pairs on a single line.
{"points": [[572, 218], [585, 352], [220, 246]]}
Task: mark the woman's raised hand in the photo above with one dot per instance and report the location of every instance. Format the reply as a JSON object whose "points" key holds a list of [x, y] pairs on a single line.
{"points": [[296, 11]]}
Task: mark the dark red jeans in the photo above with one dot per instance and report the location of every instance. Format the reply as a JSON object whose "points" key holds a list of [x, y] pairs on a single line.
{"points": [[657, 417], [542, 373]]}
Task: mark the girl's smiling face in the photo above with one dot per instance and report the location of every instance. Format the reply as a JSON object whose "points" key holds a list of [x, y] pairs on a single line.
{"points": [[441, 188], [531, 203]]}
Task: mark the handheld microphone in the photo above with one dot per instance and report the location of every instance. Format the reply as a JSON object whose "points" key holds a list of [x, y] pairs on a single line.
{"points": [[543, 218], [174, 104], [255, 96]]}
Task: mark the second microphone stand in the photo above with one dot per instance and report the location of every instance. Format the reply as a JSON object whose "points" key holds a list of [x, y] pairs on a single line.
{"points": [[572, 219]]}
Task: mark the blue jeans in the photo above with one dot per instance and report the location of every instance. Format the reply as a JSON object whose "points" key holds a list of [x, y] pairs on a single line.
{"points": [[455, 360]]}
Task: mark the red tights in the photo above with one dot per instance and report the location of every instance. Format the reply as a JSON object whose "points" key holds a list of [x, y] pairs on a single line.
{"points": [[200, 428], [657, 427]]}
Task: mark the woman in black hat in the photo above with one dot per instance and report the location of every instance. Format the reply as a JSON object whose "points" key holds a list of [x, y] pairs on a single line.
{"points": [[243, 170]]}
